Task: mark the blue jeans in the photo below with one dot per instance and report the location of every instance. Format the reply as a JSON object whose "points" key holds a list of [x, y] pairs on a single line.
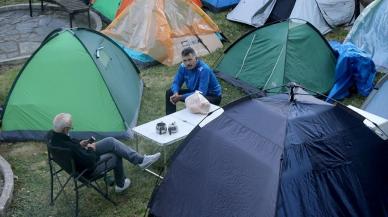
{"points": [[112, 147]]}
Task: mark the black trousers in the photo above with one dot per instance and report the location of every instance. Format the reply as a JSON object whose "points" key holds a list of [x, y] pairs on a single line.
{"points": [[171, 108]]}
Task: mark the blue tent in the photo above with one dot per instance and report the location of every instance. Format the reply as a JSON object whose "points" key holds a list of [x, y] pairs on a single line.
{"points": [[219, 5], [272, 157], [377, 101]]}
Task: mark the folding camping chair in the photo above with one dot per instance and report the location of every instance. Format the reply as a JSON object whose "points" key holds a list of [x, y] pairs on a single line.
{"points": [[63, 158]]}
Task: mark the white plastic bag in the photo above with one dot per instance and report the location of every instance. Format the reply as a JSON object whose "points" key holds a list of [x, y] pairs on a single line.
{"points": [[197, 103]]}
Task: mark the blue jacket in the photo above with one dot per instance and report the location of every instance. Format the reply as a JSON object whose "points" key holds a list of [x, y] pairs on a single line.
{"points": [[200, 78]]}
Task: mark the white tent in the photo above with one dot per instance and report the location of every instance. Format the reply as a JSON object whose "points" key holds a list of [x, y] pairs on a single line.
{"points": [[370, 33], [252, 12], [323, 14], [308, 10]]}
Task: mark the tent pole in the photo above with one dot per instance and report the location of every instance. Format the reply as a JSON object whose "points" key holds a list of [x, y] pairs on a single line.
{"points": [[292, 86], [357, 9]]}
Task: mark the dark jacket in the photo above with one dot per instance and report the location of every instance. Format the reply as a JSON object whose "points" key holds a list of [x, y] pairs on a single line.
{"points": [[84, 159]]}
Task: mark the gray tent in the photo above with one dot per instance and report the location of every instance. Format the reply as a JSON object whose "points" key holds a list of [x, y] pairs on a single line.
{"points": [[377, 101], [370, 33], [323, 14]]}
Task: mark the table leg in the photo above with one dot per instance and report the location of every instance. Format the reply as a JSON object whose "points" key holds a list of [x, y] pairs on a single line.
{"points": [[153, 173], [165, 158], [71, 20], [137, 142]]}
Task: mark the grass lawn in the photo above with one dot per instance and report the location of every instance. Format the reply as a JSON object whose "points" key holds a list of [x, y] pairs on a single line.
{"points": [[10, 2], [29, 160]]}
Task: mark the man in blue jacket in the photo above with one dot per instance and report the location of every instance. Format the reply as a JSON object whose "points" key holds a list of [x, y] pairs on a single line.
{"points": [[197, 76]]}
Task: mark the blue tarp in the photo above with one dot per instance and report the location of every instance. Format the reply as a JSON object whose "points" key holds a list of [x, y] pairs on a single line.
{"points": [[219, 5], [354, 68]]}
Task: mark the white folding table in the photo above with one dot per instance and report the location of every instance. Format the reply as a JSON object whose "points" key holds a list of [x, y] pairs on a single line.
{"points": [[185, 122]]}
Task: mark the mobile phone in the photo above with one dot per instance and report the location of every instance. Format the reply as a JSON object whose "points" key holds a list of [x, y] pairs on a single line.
{"points": [[91, 140]]}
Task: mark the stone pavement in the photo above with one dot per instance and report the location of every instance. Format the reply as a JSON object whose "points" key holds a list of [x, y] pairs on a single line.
{"points": [[21, 35], [7, 185]]}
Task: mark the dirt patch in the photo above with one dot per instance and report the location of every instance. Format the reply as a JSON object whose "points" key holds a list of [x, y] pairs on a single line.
{"points": [[23, 150], [39, 165], [6, 68]]}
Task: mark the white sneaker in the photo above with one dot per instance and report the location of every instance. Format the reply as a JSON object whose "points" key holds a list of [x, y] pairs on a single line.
{"points": [[127, 183], [148, 160]]}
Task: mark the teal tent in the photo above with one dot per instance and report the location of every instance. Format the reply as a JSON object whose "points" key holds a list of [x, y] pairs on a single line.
{"points": [[106, 8], [279, 53], [79, 71]]}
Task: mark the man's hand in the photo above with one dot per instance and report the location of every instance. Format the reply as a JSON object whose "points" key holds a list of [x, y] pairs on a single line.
{"points": [[175, 98], [84, 143], [92, 146]]}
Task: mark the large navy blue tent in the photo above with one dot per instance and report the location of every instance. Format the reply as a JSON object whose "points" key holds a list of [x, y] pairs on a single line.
{"points": [[377, 101], [270, 156], [219, 5]]}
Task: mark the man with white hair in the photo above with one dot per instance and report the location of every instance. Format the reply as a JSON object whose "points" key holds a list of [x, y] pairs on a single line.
{"points": [[87, 153]]}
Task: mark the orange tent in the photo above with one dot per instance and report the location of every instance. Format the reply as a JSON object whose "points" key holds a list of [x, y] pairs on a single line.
{"points": [[198, 2], [123, 5], [162, 28]]}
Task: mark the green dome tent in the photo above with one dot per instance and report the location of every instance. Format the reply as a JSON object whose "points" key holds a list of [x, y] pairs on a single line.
{"points": [[279, 53], [79, 71]]}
